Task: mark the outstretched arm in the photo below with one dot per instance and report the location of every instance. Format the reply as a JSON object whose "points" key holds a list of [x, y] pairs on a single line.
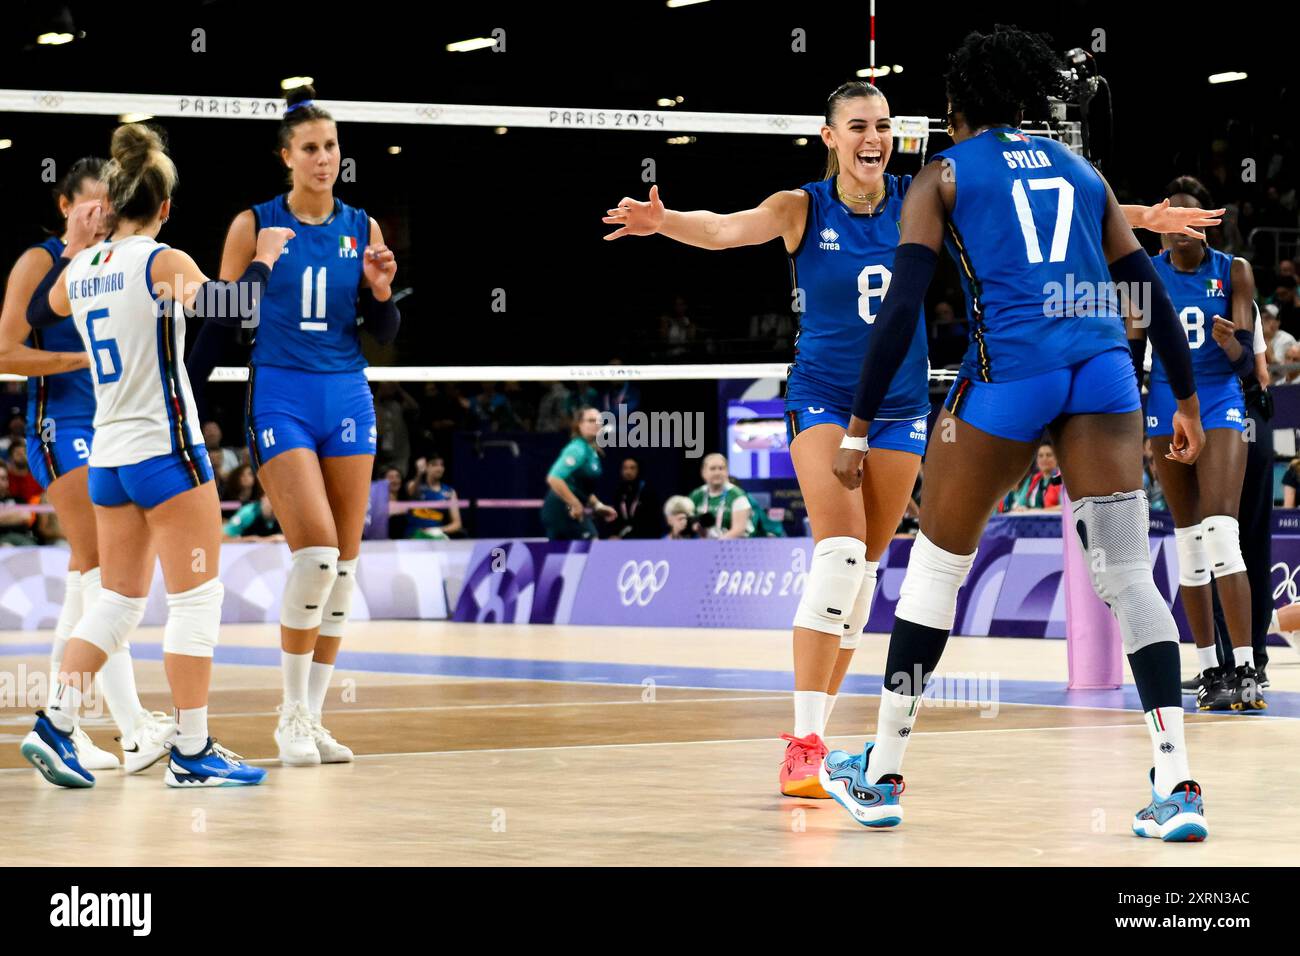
{"points": [[16, 357], [1163, 217], [781, 214]]}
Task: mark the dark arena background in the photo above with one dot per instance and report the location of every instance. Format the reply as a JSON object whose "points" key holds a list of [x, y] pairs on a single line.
{"points": [[600, 676]]}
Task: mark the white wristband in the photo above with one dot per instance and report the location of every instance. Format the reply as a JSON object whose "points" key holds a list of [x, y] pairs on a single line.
{"points": [[856, 444]]}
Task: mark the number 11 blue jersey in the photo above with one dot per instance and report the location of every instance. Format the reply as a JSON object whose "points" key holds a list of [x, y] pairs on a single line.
{"points": [[1026, 233], [309, 310]]}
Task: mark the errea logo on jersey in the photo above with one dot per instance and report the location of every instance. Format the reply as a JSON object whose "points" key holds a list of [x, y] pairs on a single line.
{"points": [[829, 239], [918, 430], [1234, 415], [347, 247]]}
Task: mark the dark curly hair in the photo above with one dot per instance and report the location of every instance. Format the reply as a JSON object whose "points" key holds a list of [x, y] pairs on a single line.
{"points": [[1190, 186], [995, 76]]}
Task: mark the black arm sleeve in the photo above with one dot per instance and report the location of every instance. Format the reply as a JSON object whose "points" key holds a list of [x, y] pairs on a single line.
{"points": [[39, 313], [1245, 364], [1168, 338], [894, 327], [233, 303], [380, 319]]}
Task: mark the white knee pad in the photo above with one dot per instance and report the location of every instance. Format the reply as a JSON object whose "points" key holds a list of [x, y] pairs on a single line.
{"points": [[861, 607], [1114, 533], [1193, 559], [831, 589], [311, 576], [109, 621], [70, 613], [339, 604], [1223, 544], [928, 595], [193, 619]]}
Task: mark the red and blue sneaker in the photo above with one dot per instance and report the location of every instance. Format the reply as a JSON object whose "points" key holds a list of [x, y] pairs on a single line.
{"points": [[1177, 818], [54, 754], [213, 766], [844, 777]]}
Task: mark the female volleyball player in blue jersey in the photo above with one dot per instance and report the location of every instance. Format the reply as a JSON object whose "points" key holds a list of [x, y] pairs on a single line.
{"points": [[840, 234], [310, 414], [1214, 294], [60, 431], [149, 474], [1025, 220]]}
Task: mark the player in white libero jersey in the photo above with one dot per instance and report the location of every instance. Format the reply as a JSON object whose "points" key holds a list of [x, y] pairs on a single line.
{"points": [[150, 479]]}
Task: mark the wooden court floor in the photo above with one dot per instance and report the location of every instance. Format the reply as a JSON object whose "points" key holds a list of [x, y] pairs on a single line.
{"points": [[466, 758]]}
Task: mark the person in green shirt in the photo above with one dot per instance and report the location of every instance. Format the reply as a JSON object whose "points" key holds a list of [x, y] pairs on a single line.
{"points": [[733, 515], [572, 480]]}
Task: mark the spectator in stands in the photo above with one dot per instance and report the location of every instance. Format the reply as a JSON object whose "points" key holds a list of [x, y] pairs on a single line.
{"points": [[392, 405], [438, 521], [1288, 311], [224, 460], [520, 403], [254, 519], [22, 485], [619, 392], [676, 331], [1291, 484], [492, 410], [15, 526], [1041, 489], [1282, 346], [1151, 484], [396, 492], [723, 508], [555, 411], [17, 432], [637, 506], [679, 512], [240, 485]]}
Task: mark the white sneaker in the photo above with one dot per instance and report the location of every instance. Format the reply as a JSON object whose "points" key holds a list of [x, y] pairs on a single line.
{"points": [[330, 750], [294, 736], [91, 757], [153, 739]]}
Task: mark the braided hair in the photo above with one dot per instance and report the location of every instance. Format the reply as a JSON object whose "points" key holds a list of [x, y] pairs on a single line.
{"points": [[994, 77]]}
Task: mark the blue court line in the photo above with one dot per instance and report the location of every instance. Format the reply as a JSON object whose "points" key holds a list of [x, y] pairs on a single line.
{"points": [[1045, 693]]}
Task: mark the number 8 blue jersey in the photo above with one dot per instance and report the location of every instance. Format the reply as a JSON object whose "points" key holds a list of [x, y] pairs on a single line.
{"points": [[1199, 296], [309, 310], [1026, 233]]}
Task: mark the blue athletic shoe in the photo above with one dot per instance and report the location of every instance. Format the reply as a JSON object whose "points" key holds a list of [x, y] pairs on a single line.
{"points": [[844, 777], [213, 766], [1177, 818], [54, 754]]}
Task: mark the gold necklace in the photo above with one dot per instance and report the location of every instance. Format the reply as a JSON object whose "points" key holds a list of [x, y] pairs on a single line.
{"points": [[867, 198]]}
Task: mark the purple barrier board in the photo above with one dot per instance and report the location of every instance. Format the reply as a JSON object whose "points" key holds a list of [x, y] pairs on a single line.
{"points": [[522, 582]]}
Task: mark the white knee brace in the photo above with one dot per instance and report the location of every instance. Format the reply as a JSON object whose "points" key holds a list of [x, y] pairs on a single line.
{"points": [[928, 595], [109, 621], [193, 618], [861, 608], [1223, 543], [307, 588], [1114, 533], [339, 604], [1193, 560], [831, 589]]}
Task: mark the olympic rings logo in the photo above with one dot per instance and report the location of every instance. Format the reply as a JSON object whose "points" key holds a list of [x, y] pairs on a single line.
{"points": [[1288, 583], [638, 583]]}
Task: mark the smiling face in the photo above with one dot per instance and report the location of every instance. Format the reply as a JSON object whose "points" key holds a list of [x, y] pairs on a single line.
{"points": [[860, 134], [313, 155]]}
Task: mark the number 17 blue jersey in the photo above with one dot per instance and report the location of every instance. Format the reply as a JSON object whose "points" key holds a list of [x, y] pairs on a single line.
{"points": [[1026, 233], [309, 310]]}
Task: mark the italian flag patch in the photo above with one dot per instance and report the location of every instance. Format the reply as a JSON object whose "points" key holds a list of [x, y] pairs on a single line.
{"points": [[1006, 137], [96, 261], [347, 242], [1214, 285]]}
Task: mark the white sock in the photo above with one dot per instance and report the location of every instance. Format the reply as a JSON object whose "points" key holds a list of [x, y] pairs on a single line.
{"points": [[117, 683], [65, 707], [69, 615], [893, 731], [1243, 655], [809, 713], [296, 668], [318, 686], [830, 705], [191, 730], [1207, 657], [1168, 748], [1274, 624]]}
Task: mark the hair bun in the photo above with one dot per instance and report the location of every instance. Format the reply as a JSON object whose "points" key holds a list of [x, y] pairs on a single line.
{"points": [[299, 94], [131, 147]]}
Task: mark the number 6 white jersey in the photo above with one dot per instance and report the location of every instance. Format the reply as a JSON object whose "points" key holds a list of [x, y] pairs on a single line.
{"points": [[144, 406]]}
